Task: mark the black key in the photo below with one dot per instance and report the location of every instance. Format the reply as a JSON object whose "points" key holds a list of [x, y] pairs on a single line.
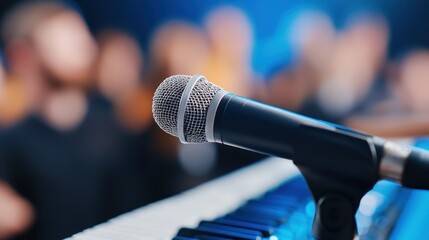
{"points": [[296, 192], [278, 197], [270, 207], [264, 229], [205, 237], [202, 231], [263, 212], [282, 203], [258, 220], [230, 228]]}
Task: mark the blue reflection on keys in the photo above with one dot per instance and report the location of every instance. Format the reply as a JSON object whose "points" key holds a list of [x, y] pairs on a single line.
{"points": [[287, 212], [413, 222]]}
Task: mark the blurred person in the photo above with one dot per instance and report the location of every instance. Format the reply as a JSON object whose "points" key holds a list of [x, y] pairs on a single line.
{"points": [[67, 159], [230, 37], [16, 213], [13, 104], [335, 74], [178, 47], [38, 54], [230, 43], [357, 60], [118, 77], [119, 65], [411, 89], [181, 48], [313, 38], [406, 112]]}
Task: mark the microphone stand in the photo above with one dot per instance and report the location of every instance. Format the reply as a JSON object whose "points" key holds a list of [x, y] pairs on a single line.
{"points": [[339, 168]]}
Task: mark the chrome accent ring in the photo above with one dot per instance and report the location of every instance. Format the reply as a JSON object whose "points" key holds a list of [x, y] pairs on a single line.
{"points": [[182, 106], [393, 161], [211, 114]]}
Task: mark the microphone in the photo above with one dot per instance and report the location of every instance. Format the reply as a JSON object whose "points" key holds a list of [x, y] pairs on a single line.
{"points": [[196, 111]]}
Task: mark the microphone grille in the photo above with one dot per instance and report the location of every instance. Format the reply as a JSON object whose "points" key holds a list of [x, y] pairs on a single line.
{"points": [[166, 101]]}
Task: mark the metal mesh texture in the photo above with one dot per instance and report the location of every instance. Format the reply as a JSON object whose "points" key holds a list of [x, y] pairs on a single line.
{"points": [[166, 102]]}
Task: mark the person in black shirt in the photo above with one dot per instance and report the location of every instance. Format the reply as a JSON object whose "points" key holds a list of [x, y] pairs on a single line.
{"points": [[69, 158]]}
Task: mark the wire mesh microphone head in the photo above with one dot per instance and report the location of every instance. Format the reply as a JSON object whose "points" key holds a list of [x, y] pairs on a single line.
{"points": [[166, 101]]}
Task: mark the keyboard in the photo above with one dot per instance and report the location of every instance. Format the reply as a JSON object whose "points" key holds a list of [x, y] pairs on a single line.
{"points": [[268, 200]]}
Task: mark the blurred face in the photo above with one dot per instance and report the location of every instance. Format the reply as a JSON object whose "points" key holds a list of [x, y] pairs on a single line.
{"points": [[356, 58], [358, 54], [313, 34], [119, 66], [230, 32], [65, 48], [188, 52], [370, 37], [414, 82], [180, 47]]}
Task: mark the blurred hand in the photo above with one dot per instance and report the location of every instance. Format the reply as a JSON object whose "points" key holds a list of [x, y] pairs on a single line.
{"points": [[16, 214]]}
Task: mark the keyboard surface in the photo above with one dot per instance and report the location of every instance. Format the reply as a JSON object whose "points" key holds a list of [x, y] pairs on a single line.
{"points": [[161, 220], [267, 200]]}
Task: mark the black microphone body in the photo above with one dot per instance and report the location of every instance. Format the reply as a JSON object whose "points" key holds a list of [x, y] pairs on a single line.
{"points": [[251, 125], [316, 146], [255, 126]]}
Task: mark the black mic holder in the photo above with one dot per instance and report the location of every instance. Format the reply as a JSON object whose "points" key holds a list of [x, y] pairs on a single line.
{"points": [[340, 167]]}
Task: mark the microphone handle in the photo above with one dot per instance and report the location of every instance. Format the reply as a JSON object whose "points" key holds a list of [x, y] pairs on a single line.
{"points": [[247, 124], [254, 126]]}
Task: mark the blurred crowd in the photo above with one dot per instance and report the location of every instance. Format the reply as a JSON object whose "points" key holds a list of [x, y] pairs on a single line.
{"points": [[78, 144]]}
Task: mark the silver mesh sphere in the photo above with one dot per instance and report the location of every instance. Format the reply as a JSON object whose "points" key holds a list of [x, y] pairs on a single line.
{"points": [[165, 106], [166, 100]]}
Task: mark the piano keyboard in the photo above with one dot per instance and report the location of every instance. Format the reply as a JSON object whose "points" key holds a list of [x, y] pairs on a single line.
{"points": [[268, 200], [161, 220]]}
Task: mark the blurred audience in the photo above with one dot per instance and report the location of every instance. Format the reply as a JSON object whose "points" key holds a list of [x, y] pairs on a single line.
{"points": [[356, 64], [178, 47], [119, 78], [230, 37], [182, 48], [13, 102], [334, 72], [291, 87], [230, 43], [68, 158], [406, 112], [411, 86]]}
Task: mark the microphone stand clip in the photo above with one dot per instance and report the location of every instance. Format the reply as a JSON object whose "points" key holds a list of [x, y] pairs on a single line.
{"points": [[340, 168]]}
